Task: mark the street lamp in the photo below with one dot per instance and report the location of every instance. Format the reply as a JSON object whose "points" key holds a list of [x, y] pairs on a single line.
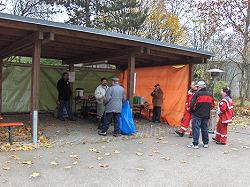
{"points": [[212, 123], [214, 74]]}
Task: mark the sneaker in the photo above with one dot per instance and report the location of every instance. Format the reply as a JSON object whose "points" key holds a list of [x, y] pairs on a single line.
{"points": [[214, 139], [193, 146], [205, 145], [179, 133], [102, 133]]}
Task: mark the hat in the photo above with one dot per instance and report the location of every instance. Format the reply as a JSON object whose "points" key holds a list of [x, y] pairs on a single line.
{"points": [[115, 79], [156, 85], [201, 84]]}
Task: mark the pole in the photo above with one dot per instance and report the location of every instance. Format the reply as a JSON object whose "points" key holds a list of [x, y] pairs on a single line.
{"points": [[35, 86], [71, 69], [131, 74], [1, 84]]}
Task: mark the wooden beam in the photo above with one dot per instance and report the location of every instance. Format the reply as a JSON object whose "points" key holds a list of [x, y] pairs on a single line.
{"points": [[1, 84], [106, 55], [191, 74], [35, 85], [131, 76]]}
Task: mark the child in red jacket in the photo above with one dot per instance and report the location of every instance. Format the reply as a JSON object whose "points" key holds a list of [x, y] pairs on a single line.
{"points": [[226, 115]]}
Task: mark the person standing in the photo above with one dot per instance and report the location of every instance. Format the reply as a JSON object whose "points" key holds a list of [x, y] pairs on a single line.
{"points": [[113, 101], [99, 95], [226, 115], [200, 108], [157, 96], [186, 122], [64, 94]]}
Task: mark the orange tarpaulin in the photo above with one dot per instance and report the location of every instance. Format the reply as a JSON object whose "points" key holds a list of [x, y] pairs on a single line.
{"points": [[174, 83]]}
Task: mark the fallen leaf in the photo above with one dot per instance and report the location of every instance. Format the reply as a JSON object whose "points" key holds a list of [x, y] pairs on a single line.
{"points": [[140, 169], [103, 165], [99, 158], [117, 152], [183, 161], [6, 168], [156, 151], [90, 167], [139, 154], [74, 156], [75, 163], [160, 138], [246, 147], [226, 152], [54, 163], [150, 155], [28, 162], [15, 157], [68, 167], [164, 142], [140, 142], [165, 158], [35, 174], [157, 142], [107, 154], [189, 154]]}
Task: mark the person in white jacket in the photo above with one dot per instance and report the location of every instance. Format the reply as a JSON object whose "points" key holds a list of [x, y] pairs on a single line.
{"points": [[99, 95]]}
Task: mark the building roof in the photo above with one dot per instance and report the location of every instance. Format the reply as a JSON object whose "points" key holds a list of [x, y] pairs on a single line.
{"points": [[78, 41]]}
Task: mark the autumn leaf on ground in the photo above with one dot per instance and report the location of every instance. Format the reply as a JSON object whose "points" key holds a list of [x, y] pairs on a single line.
{"points": [[34, 175], [140, 142], [139, 154], [54, 163], [68, 167], [184, 162], [150, 155], [164, 142], [117, 152], [15, 157], [156, 151], [6, 168], [74, 156], [103, 165], [189, 154], [75, 163], [165, 158], [246, 147], [107, 154], [91, 167], [225, 152], [28, 162], [160, 138], [140, 169], [99, 158]]}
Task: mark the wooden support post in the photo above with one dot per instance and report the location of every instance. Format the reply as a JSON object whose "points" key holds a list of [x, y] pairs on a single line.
{"points": [[71, 69], [191, 74], [35, 85], [131, 74], [1, 84]]}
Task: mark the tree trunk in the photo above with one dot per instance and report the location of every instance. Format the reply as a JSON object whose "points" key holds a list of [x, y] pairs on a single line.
{"points": [[88, 13]]}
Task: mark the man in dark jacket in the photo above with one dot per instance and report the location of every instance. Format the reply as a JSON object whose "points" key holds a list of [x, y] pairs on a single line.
{"points": [[157, 100], [64, 93], [200, 108]]}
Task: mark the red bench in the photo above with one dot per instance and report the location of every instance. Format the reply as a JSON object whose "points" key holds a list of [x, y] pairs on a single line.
{"points": [[10, 125]]}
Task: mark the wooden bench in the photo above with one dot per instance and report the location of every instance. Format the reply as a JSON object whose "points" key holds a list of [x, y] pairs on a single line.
{"points": [[10, 125]]}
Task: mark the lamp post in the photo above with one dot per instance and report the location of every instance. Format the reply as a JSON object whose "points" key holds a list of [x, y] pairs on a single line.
{"points": [[214, 74], [212, 123]]}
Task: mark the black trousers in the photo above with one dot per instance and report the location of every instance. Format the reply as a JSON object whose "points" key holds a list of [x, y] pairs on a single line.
{"points": [[108, 120], [156, 114]]}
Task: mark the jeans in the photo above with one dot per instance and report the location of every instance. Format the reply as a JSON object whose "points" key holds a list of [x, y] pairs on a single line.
{"points": [[108, 119], [63, 104], [156, 114], [197, 125]]}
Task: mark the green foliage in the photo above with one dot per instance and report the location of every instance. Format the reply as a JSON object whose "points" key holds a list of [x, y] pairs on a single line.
{"points": [[217, 88], [125, 16], [28, 60]]}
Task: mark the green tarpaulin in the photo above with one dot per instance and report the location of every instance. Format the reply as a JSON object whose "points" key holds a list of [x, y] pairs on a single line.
{"points": [[17, 84]]}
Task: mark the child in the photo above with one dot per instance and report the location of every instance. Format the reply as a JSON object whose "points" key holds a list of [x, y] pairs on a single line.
{"points": [[226, 114]]}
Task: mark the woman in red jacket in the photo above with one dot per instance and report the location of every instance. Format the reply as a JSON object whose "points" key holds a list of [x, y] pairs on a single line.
{"points": [[226, 115]]}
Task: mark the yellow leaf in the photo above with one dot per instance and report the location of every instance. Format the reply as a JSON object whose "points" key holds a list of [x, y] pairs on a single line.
{"points": [[140, 169], [99, 158], [91, 167], [35, 174], [68, 167], [54, 163], [74, 156], [140, 142], [103, 165], [107, 154], [117, 152], [6, 168], [28, 162], [75, 163], [165, 158], [139, 154], [15, 157]]}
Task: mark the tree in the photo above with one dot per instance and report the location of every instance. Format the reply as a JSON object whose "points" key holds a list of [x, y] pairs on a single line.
{"points": [[124, 16], [32, 8], [163, 25]]}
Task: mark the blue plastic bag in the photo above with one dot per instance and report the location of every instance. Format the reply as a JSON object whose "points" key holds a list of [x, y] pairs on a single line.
{"points": [[127, 125]]}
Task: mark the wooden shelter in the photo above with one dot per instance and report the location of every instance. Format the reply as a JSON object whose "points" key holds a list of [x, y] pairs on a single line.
{"points": [[22, 36]]}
